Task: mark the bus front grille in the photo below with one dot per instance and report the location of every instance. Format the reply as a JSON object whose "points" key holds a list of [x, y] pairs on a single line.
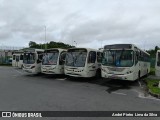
{"points": [[116, 69]]}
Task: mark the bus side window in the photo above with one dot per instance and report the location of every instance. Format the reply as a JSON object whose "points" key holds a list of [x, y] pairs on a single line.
{"points": [[62, 58], [136, 57], [92, 57], [17, 58]]}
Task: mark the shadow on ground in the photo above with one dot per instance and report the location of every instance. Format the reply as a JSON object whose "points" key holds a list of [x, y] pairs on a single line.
{"points": [[46, 76], [112, 85]]}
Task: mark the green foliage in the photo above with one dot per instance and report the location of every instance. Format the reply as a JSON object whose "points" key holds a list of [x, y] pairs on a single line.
{"points": [[5, 64], [156, 48], [152, 71], [152, 52], [153, 86], [49, 45]]}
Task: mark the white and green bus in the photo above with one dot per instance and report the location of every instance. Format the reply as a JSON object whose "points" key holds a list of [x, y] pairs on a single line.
{"points": [[157, 64], [124, 62], [32, 60], [83, 62], [17, 59], [53, 61]]}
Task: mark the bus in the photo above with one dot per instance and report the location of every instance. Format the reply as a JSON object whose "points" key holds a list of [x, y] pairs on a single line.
{"points": [[17, 59], [53, 61], [32, 60], [157, 64], [124, 62], [83, 62]]}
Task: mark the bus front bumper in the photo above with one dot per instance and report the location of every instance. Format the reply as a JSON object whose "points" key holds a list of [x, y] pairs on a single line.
{"points": [[129, 76], [29, 70], [77, 74]]}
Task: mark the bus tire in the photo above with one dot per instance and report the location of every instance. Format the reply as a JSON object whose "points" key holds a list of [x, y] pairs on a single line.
{"points": [[139, 75], [98, 73], [21, 66]]}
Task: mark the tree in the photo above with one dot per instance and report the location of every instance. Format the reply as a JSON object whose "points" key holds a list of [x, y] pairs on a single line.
{"points": [[156, 48], [31, 44], [51, 44]]}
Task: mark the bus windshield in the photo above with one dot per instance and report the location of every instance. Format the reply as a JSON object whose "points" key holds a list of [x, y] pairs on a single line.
{"points": [[76, 57], [29, 58], [17, 58], [118, 58], [50, 58]]}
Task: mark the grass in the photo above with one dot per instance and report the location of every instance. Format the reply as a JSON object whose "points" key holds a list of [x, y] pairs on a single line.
{"points": [[152, 71], [152, 86], [5, 64]]}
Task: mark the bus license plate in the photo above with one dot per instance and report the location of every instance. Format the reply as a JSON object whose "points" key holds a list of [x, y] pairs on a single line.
{"points": [[115, 77]]}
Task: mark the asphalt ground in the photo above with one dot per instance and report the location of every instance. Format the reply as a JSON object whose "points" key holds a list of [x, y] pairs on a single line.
{"points": [[25, 92]]}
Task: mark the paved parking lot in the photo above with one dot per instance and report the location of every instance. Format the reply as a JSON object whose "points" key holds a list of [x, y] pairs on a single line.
{"points": [[23, 92]]}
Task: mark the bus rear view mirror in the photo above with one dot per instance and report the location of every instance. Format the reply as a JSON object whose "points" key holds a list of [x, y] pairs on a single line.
{"points": [[39, 61], [158, 63], [137, 53]]}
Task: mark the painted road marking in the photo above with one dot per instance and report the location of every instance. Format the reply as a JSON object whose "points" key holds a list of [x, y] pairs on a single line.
{"points": [[18, 71], [60, 79], [119, 93], [139, 83]]}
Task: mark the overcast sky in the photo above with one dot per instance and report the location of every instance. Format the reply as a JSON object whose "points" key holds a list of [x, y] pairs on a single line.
{"points": [[90, 23]]}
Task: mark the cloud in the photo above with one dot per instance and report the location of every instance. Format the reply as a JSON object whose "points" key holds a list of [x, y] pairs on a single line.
{"points": [[89, 23]]}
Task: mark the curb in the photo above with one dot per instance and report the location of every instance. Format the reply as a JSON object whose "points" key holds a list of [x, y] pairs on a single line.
{"points": [[154, 95]]}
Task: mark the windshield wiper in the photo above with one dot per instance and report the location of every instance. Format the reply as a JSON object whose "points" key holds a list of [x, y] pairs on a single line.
{"points": [[113, 56], [121, 55], [117, 62]]}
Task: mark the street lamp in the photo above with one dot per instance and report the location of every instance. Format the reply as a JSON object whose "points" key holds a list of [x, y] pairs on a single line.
{"points": [[76, 43], [45, 38]]}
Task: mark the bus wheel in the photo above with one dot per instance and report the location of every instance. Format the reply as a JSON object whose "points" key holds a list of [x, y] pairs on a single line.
{"points": [[139, 75], [98, 73]]}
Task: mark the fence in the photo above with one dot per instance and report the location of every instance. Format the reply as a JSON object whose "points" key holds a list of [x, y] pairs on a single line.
{"points": [[5, 56], [6, 53], [10, 48]]}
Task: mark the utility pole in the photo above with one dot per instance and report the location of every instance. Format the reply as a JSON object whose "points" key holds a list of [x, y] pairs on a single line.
{"points": [[45, 38], [76, 43], [72, 41]]}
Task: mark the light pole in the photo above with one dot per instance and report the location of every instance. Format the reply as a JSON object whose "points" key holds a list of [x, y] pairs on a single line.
{"points": [[76, 43], [45, 38]]}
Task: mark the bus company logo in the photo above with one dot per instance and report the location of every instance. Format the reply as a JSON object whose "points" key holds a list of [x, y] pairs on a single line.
{"points": [[6, 114]]}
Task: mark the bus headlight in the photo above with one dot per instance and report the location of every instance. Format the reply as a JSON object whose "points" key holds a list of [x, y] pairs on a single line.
{"points": [[32, 67], [104, 70], [128, 72], [52, 68]]}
